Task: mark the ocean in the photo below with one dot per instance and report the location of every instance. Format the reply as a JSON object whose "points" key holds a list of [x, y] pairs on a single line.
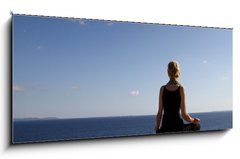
{"points": [[25, 131]]}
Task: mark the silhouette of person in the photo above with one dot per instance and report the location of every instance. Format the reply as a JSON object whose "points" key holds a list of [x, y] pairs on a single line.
{"points": [[171, 103]]}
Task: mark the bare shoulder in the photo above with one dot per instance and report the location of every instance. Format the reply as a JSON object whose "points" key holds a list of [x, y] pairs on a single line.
{"points": [[161, 89], [182, 90]]}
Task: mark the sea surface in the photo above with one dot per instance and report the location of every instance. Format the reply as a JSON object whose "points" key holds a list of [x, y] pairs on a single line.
{"points": [[39, 130]]}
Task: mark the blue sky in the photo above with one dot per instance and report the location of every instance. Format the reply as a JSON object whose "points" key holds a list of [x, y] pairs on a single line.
{"points": [[73, 68]]}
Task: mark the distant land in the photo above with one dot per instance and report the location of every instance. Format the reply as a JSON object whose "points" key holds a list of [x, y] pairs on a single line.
{"points": [[55, 118], [28, 119]]}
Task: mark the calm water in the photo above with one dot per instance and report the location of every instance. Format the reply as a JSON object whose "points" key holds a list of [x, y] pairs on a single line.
{"points": [[70, 129]]}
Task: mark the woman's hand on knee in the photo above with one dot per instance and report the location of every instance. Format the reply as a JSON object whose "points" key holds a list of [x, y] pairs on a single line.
{"points": [[196, 120]]}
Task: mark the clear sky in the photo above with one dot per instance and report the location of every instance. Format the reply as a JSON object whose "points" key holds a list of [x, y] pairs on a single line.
{"points": [[74, 68]]}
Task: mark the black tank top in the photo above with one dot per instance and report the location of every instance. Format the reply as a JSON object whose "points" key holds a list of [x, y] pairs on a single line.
{"points": [[171, 106]]}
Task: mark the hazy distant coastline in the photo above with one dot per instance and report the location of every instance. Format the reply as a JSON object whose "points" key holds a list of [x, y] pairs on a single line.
{"points": [[28, 119], [56, 118]]}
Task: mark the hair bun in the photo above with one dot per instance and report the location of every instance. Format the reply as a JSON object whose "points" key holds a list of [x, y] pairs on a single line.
{"points": [[173, 69]]}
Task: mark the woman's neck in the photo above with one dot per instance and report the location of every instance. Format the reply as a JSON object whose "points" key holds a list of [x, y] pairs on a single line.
{"points": [[173, 81]]}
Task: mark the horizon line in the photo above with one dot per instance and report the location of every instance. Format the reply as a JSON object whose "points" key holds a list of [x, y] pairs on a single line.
{"points": [[45, 118]]}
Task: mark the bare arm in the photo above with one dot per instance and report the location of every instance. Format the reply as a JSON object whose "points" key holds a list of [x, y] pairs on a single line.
{"points": [[184, 113], [160, 110]]}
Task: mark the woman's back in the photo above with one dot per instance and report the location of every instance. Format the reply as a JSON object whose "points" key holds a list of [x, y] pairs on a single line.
{"points": [[171, 104], [171, 101]]}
